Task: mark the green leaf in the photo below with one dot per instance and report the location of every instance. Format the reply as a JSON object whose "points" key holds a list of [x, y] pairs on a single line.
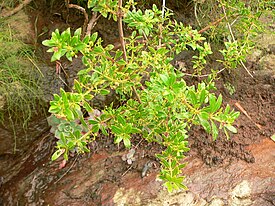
{"points": [[98, 49], [94, 37], [104, 91], [95, 128], [121, 62], [87, 106], [231, 128], [77, 86], [169, 186], [136, 130], [86, 40], [49, 43], [121, 120], [212, 102], [215, 130], [172, 79], [202, 96], [217, 104], [78, 32], [127, 142], [56, 56], [69, 56], [118, 139], [57, 154], [273, 137], [80, 46], [54, 109], [109, 47], [91, 121], [66, 35], [164, 79], [69, 114], [193, 97], [116, 130], [205, 124], [104, 131], [118, 54], [128, 129]]}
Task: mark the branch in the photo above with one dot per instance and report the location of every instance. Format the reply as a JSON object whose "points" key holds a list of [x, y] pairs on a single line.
{"points": [[120, 29], [211, 24], [122, 42], [92, 23], [16, 9], [80, 9]]}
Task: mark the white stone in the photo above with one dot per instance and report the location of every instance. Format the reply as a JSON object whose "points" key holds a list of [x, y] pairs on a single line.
{"points": [[240, 195]]}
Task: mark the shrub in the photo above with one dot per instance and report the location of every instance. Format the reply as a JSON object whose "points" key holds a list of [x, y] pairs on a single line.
{"points": [[162, 109]]}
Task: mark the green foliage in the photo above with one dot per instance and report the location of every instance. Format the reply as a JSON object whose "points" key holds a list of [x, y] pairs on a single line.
{"points": [[162, 110], [240, 24]]}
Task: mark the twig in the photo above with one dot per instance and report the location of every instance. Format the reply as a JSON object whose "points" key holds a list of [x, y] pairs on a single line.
{"points": [[163, 9], [92, 23], [135, 91], [195, 12], [246, 114], [246, 69], [16, 9], [74, 6], [67, 170], [127, 170], [211, 24]]}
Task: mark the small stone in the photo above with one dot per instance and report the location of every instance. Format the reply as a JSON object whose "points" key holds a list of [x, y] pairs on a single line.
{"points": [[216, 202]]}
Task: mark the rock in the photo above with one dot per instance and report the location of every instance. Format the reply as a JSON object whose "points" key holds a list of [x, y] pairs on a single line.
{"points": [[51, 82], [241, 195], [268, 62], [216, 202], [185, 198]]}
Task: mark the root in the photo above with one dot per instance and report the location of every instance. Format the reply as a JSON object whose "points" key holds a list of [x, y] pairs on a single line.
{"points": [[74, 6]]}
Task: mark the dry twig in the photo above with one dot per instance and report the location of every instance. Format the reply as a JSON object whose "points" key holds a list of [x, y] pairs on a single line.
{"points": [[246, 114], [211, 24]]}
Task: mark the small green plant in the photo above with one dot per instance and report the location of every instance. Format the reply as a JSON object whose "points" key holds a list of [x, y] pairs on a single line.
{"points": [[162, 110]]}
